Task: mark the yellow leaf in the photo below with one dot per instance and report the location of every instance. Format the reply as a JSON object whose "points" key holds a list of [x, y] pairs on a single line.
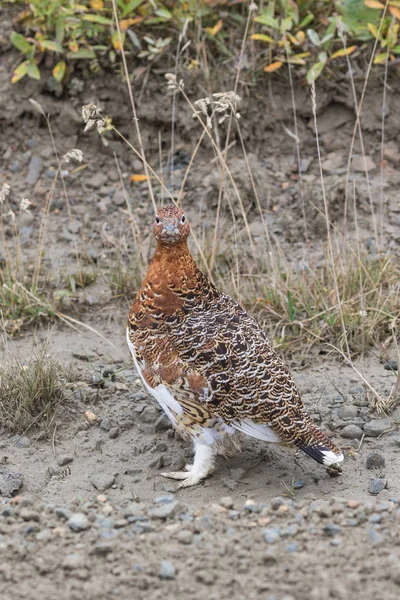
{"points": [[380, 58], [273, 66], [300, 35], [261, 37], [372, 29], [395, 12], [293, 39], [138, 178], [343, 52], [73, 46], [126, 23], [97, 4], [373, 4], [214, 30], [59, 70]]}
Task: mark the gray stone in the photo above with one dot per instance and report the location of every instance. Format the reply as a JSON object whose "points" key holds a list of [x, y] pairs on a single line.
{"points": [[167, 570], [165, 511], [102, 481], [391, 365], [226, 502], [64, 459], [272, 535], [164, 499], [351, 432], [185, 537], [63, 513], [73, 561], [163, 423], [237, 474], [119, 198], [114, 433], [376, 486], [97, 180], [348, 412], [148, 415], [78, 522], [332, 529], [22, 442], [74, 226], [376, 427], [10, 482], [35, 166], [375, 461], [105, 424]]}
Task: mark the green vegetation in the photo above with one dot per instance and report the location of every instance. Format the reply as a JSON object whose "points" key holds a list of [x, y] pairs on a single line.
{"points": [[307, 33]]}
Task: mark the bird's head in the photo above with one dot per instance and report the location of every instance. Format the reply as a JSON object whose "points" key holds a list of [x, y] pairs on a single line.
{"points": [[170, 226]]}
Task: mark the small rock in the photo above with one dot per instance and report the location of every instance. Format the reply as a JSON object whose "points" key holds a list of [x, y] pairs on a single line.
{"points": [[102, 481], [376, 427], [27, 514], [64, 459], [348, 412], [351, 432], [73, 561], [74, 226], [78, 522], [119, 198], [272, 535], [391, 365], [105, 424], [332, 529], [361, 163], [164, 499], [34, 169], [10, 482], [376, 486], [22, 442], [185, 536], [148, 415], [237, 474], [298, 484], [165, 511], [62, 512], [226, 502], [114, 432], [167, 570], [375, 461], [163, 423]]}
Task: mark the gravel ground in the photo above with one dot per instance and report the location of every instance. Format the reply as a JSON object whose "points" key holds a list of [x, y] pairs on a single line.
{"points": [[280, 550]]}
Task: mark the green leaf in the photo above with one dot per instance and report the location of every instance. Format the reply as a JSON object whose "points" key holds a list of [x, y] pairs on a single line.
{"points": [[380, 58], [82, 53], [286, 24], [20, 43], [131, 6], [291, 308], [314, 72], [20, 71], [59, 70], [322, 57], [97, 19], [266, 19], [396, 49], [314, 37], [306, 21], [33, 71], [50, 45], [60, 29], [163, 13]]}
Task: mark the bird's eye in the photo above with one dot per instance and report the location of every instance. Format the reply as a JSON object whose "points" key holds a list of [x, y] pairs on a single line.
{"points": [[183, 219], [157, 219]]}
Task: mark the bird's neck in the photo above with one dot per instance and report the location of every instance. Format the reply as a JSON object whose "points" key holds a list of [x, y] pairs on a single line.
{"points": [[173, 266]]}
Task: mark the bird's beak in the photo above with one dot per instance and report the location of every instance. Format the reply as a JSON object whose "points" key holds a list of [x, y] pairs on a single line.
{"points": [[170, 229]]}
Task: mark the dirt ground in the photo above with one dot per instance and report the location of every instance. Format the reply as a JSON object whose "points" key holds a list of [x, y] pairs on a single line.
{"points": [[116, 462]]}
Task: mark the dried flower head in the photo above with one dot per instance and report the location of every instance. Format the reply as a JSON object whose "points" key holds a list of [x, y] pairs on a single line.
{"points": [[37, 106], [25, 204], [224, 103], [253, 6], [92, 116], [73, 154], [172, 82], [10, 214], [4, 192]]}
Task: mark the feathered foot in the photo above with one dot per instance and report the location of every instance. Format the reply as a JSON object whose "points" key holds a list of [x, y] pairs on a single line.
{"points": [[203, 465]]}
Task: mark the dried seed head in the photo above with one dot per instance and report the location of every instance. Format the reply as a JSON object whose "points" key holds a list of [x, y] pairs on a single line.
{"points": [[25, 204], [92, 116], [37, 106], [10, 214], [224, 103], [4, 192], [173, 83], [253, 6], [73, 154]]}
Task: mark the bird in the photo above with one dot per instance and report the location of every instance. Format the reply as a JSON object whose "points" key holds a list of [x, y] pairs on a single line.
{"points": [[209, 364]]}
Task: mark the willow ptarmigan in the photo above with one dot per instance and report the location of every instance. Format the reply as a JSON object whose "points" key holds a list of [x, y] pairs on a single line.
{"points": [[208, 363]]}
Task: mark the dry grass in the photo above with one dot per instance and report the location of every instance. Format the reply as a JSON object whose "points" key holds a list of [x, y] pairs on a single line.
{"points": [[31, 392]]}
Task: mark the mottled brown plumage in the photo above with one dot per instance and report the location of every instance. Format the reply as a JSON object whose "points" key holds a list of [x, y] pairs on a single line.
{"points": [[208, 363]]}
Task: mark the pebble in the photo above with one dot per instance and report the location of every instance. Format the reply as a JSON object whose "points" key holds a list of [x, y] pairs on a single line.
{"points": [[376, 427], [62, 512], [105, 424], [237, 474], [10, 482], [391, 365], [375, 461], [73, 561], [376, 486], [64, 459], [119, 198], [298, 484], [22, 442], [226, 502], [272, 535], [332, 529], [148, 415], [351, 432], [185, 536], [35, 166], [348, 411], [114, 433], [74, 226], [165, 511], [102, 481], [167, 570], [78, 522]]}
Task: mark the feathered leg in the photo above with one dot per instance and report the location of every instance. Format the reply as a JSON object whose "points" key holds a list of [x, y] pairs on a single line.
{"points": [[203, 465]]}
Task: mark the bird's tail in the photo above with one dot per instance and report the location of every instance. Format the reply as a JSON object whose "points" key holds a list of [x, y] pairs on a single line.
{"points": [[317, 445]]}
